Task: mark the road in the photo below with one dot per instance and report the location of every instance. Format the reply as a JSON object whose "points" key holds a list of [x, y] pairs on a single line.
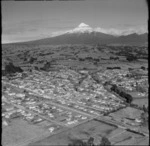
{"points": [[70, 109]]}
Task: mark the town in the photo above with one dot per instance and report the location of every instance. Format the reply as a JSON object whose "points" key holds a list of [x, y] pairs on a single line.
{"points": [[58, 100]]}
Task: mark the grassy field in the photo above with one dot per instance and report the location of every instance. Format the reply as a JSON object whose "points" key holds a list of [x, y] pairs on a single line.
{"points": [[19, 131], [140, 102], [132, 140], [126, 138], [126, 113], [68, 55], [95, 129], [84, 131]]}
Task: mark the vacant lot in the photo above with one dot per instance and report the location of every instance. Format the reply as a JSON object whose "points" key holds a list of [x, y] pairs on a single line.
{"points": [[140, 102], [19, 132], [126, 113], [127, 138]]}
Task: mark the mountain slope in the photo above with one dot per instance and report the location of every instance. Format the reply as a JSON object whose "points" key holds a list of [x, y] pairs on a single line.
{"points": [[91, 38], [132, 39]]}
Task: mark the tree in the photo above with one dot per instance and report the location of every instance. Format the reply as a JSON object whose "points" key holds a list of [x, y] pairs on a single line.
{"points": [[105, 142], [46, 67], [90, 141], [117, 67], [77, 143], [145, 109], [36, 68], [25, 91], [148, 121], [128, 98], [109, 68], [4, 88], [106, 83], [113, 88], [117, 58], [117, 90], [10, 68], [3, 73], [130, 69], [131, 58], [32, 60], [144, 117], [24, 75], [121, 94], [142, 67], [111, 57]]}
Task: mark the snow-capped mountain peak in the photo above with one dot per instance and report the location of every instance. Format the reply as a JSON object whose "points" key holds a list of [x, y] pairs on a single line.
{"points": [[83, 25], [82, 28]]}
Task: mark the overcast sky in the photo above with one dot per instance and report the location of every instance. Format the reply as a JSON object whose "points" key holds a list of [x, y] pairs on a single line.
{"points": [[30, 20]]}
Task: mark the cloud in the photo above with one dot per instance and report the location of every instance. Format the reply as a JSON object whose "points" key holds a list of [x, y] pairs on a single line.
{"points": [[125, 31]]}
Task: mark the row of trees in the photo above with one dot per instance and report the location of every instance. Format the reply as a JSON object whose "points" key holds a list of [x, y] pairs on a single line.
{"points": [[145, 109], [114, 67], [114, 58], [143, 67], [32, 59], [145, 119], [90, 142], [131, 58], [89, 58], [123, 94], [46, 66]]}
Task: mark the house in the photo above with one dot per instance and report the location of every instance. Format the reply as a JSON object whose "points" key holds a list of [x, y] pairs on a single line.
{"points": [[51, 129], [5, 123], [9, 108], [15, 115], [20, 95], [138, 120]]}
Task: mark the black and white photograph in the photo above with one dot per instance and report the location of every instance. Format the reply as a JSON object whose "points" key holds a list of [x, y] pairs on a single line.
{"points": [[74, 73]]}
